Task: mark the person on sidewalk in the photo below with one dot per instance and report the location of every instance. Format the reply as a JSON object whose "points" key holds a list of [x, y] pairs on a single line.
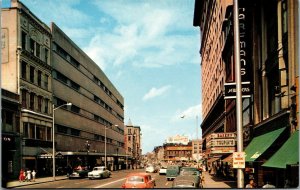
{"points": [[28, 177], [21, 176], [251, 184], [33, 175]]}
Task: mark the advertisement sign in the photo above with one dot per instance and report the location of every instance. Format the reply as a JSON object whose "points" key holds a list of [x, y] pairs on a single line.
{"points": [[238, 160], [221, 150], [221, 136], [221, 142], [230, 90]]}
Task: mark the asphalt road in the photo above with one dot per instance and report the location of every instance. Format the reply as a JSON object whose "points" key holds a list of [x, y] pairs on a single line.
{"points": [[115, 181]]}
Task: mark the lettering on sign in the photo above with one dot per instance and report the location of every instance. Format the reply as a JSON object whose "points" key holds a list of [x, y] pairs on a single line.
{"points": [[221, 142], [238, 160]]}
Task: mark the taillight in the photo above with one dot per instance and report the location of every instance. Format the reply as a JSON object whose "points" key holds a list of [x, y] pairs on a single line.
{"points": [[123, 186]]}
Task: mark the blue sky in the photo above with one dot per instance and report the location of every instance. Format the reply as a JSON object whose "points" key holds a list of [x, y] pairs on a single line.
{"points": [[149, 49]]}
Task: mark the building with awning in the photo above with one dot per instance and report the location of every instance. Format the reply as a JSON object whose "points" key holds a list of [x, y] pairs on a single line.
{"points": [[288, 154], [260, 144]]}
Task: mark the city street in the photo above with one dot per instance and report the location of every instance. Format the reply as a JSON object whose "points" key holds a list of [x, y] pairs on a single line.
{"points": [[116, 181]]}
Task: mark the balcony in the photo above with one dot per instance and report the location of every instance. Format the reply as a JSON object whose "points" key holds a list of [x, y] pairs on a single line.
{"points": [[37, 143]]}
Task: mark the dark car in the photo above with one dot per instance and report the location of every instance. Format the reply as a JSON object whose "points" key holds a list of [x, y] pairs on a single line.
{"points": [[186, 181], [79, 173], [172, 172], [195, 174]]}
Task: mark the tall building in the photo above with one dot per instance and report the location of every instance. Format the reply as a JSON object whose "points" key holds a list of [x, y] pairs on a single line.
{"points": [[26, 71], [133, 149], [269, 62], [93, 126], [197, 150]]}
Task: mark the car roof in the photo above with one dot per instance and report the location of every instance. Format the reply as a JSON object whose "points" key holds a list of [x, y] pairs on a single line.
{"points": [[138, 174]]}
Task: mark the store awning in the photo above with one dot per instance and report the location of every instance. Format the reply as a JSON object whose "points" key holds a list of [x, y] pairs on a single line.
{"points": [[287, 154], [228, 158], [260, 144]]}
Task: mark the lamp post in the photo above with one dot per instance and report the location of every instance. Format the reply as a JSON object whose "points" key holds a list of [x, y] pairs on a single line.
{"points": [[87, 145], [53, 135], [105, 146]]}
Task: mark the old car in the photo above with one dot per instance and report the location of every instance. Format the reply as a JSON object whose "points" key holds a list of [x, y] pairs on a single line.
{"points": [[195, 174], [99, 172], [163, 170], [172, 172], [79, 172], [151, 169], [186, 181], [139, 180]]}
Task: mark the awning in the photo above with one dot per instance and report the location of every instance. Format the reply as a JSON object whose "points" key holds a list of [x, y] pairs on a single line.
{"points": [[213, 159], [228, 158], [287, 154], [260, 144]]}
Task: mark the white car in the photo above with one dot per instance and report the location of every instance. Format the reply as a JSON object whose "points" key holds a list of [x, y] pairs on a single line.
{"points": [[163, 170], [150, 169], [99, 172]]}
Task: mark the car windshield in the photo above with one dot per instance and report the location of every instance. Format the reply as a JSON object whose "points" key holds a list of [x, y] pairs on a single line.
{"points": [[189, 173], [98, 169], [135, 179]]}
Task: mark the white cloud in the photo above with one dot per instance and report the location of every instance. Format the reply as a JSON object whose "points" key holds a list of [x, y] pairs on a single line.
{"points": [[154, 92], [189, 113]]}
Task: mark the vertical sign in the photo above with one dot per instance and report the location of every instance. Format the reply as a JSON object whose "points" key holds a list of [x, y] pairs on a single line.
{"points": [[4, 45], [238, 160]]}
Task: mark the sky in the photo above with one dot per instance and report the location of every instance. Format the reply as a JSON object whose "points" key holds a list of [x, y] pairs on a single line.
{"points": [[149, 49]]}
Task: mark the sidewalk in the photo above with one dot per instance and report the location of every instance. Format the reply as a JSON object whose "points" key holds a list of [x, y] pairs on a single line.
{"points": [[216, 182], [16, 183]]}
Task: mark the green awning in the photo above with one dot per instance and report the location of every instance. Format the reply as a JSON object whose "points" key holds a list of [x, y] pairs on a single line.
{"points": [[260, 144], [287, 154]]}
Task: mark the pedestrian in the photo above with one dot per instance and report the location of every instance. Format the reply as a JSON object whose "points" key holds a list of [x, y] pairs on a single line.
{"points": [[33, 175], [21, 176], [28, 177], [268, 185], [251, 184]]}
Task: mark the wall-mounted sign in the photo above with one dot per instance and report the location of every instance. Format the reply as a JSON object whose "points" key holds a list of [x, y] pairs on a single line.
{"points": [[238, 160], [221, 136], [221, 150], [221, 142], [230, 90]]}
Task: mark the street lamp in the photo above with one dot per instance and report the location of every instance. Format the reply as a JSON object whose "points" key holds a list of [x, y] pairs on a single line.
{"points": [[105, 146], [53, 135]]}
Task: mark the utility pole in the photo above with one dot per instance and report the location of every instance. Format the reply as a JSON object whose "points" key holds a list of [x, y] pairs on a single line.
{"points": [[237, 62]]}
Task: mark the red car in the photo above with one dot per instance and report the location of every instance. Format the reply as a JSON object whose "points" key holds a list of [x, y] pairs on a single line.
{"points": [[139, 180]]}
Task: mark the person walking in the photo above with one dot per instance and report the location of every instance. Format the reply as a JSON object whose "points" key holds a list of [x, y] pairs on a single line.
{"points": [[251, 184], [21, 176], [33, 175], [28, 177]]}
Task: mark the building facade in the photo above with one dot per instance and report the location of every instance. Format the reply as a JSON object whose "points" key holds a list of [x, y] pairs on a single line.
{"points": [[197, 150], [93, 125], [133, 145], [177, 152], [26, 68], [269, 62], [10, 133]]}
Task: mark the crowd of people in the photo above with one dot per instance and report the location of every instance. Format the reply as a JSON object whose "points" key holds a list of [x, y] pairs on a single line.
{"points": [[27, 175]]}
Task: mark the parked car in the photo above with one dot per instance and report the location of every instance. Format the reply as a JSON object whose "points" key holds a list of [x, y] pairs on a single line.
{"points": [[185, 181], [163, 170], [150, 169], [99, 172], [172, 172], [195, 174], [139, 180], [79, 173]]}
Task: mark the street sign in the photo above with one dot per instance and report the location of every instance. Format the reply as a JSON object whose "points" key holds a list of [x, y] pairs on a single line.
{"points": [[230, 90], [238, 160], [221, 142]]}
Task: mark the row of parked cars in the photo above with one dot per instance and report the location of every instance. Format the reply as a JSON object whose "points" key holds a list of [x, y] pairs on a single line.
{"points": [[183, 177], [97, 173]]}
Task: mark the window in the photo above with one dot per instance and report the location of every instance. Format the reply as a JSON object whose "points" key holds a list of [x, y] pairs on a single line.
{"points": [[62, 78], [31, 131], [46, 81], [31, 105], [32, 46], [25, 129], [38, 50], [75, 109], [23, 69], [46, 55], [46, 106], [75, 132], [24, 36], [62, 129], [40, 78], [24, 99], [75, 85], [48, 134], [40, 132], [39, 103], [32, 74]]}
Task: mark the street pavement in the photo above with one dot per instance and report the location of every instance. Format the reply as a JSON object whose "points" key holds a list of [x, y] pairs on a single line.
{"points": [[210, 181]]}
